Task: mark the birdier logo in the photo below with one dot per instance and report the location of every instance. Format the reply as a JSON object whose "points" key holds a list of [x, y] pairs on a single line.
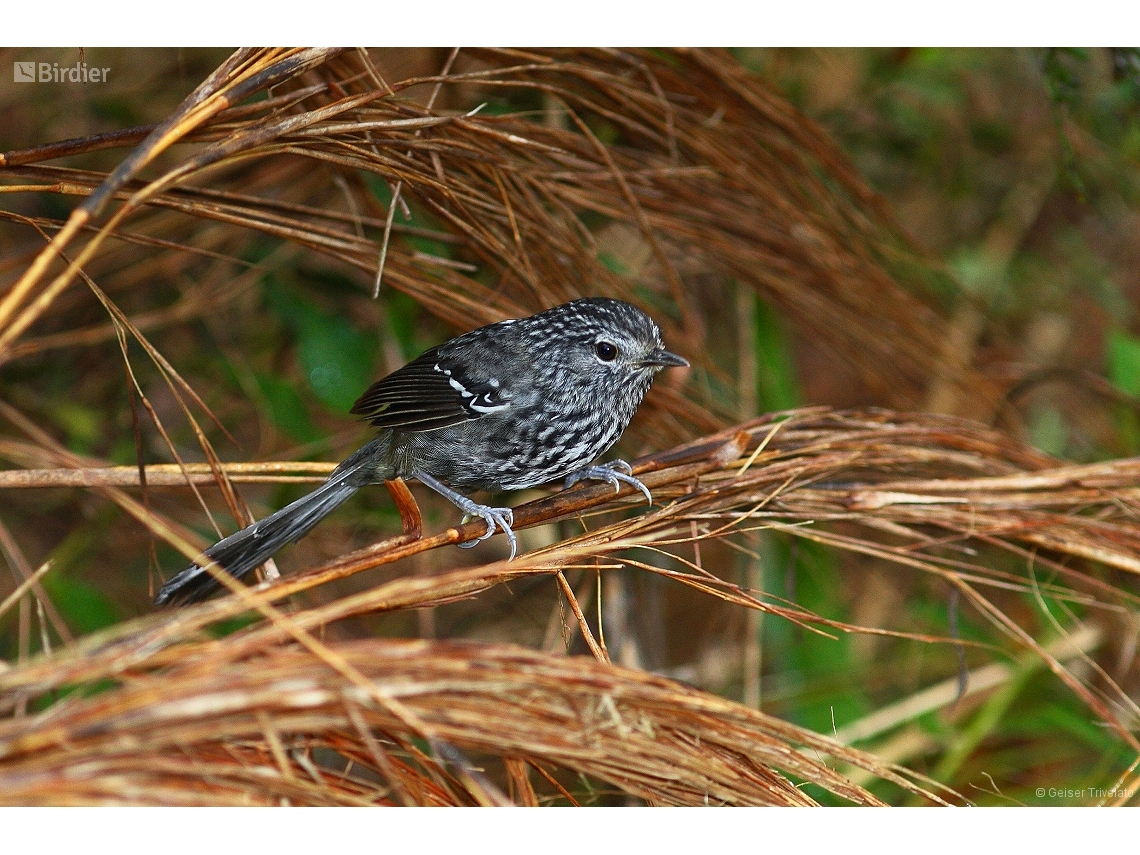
{"points": [[51, 72]]}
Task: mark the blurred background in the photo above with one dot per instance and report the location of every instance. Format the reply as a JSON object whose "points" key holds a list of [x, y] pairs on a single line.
{"points": [[947, 231]]}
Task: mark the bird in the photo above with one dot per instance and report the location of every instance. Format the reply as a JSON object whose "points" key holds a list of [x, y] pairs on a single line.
{"points": [[508, 406]]}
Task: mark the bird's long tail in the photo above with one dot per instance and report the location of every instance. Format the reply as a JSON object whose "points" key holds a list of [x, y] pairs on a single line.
{"points": [[249, 548]]}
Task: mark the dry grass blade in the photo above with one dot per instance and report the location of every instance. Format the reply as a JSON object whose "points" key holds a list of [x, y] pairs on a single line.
{"points": [[244, 74], [813, 466], [166, 474], [739, 193], [649, 737]]}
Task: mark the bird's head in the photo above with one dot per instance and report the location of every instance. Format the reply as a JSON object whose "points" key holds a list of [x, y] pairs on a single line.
{"points": [[614, 346]]}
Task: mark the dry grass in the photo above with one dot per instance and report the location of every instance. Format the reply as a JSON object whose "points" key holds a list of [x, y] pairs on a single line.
{"points": [[276, 684], [190, 734], [700, 182]]}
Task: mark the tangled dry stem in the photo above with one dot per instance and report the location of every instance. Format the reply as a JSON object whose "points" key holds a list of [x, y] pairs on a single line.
{"points": [[276, 684]]}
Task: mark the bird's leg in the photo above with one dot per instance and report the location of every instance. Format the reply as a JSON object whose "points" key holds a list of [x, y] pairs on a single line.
{"points": [[616, 472], [501, 518]]}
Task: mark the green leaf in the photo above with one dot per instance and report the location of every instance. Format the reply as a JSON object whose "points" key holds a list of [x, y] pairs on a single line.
{"points": [[1123, 356], [335, 357], [977, 271], [82, 425], [403, 315], [287, 409], [429, 246], [231, 625], [613, 263], [337, 361], [83, 606], [1124, 362], [1049, 431], [778, 388]]}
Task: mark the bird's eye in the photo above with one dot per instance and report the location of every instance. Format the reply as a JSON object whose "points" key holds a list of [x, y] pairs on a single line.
{"points": [[606, 352]]}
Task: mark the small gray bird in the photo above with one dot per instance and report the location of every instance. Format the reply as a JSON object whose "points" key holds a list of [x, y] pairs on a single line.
{"points": [[504, 407]]}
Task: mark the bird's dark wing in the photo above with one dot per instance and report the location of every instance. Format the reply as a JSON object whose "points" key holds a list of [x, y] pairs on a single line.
{"points": [[428, 393]]}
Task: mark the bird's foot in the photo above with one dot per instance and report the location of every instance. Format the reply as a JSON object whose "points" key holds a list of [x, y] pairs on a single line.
{"points": [[616, 472], [495, 518], [500, 518]]}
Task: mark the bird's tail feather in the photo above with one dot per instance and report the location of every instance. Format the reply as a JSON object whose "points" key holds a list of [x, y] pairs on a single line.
{"points": [[242, 551]]}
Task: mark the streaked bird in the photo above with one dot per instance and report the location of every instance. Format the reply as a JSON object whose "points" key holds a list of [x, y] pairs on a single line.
{"points": [[507, 406]]}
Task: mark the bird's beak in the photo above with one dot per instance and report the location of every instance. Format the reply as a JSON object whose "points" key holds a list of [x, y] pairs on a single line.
{"points": [[662, 358]]}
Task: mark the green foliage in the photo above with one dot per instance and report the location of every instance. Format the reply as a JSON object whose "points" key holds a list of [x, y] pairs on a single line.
{"points": [[613, 263], [1062, 70], [115, 110], [286, 408], [335, 357], [1124, 362], [1123, 357], [1049, 431], [79, 690], [404, 322], [777, 386], [822, 688], [82, 426], [228, 627], [84, 606]]}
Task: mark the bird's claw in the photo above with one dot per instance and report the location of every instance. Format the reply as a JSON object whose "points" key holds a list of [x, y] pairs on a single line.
{"points": [[495, 518], [616, 472]]}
